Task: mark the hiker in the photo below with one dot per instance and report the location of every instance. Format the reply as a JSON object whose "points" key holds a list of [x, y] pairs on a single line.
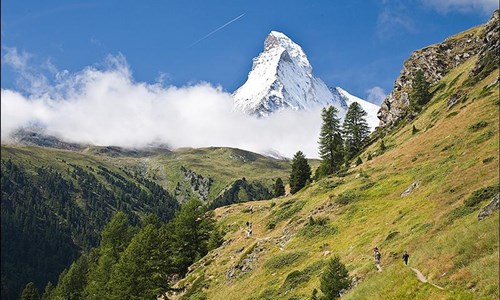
{"points": [[405, 257], [377, 255], [249, 229]]}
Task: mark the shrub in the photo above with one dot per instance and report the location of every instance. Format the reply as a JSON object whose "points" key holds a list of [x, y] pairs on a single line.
{"points": [[480, 195], [282, 260], [347, 197], [478, 125]]}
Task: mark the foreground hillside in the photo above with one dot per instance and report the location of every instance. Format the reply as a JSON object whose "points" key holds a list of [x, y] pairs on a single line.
{"points": [[56, 202], [423, 194]]}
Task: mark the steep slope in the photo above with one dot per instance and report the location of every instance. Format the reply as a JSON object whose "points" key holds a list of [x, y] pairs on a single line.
{"points": [[422, 194], [437, 60], [282, 78]]}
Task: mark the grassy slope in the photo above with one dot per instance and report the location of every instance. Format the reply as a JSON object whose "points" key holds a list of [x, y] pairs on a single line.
{"points": [[445, 156], [223, 165]]}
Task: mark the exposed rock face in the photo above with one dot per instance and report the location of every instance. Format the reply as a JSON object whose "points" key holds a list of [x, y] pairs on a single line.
{"points": [[193, 184], [410, 189], [493, 206], [435, 61], [488, 54]]}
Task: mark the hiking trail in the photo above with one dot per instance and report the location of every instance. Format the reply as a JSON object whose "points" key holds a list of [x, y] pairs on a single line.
{"points": [[422, 278]]}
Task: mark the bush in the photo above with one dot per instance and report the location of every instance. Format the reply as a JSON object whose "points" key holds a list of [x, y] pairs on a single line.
{"points": [[282, 260], [317, 227], [347, 197], [480, 195], [478, 125]]}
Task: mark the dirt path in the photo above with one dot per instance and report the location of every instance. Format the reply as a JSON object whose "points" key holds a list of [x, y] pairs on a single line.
{"points": [[422, 278]]}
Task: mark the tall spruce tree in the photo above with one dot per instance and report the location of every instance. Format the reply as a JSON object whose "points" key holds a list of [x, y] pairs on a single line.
{"points": [[355, 129], [279, 188], [420, 94], [330, 142], [301, 172]]}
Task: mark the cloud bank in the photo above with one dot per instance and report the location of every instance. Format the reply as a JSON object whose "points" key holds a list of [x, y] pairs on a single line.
{"points": [[105, 106]]}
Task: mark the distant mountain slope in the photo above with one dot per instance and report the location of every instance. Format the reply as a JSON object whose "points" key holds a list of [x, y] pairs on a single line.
{"points": [[426, 193]]}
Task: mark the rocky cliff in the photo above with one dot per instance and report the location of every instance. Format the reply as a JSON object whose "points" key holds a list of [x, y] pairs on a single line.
{"points": [[436, 60]]}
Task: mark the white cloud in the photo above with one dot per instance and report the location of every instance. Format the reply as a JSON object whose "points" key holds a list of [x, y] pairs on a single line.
{"points": [[375, 95], [15, 59], [105, 106], [464, 6], [393, 19]]}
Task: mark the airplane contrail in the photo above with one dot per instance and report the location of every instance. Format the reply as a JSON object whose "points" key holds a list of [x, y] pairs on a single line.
{"points": [[214, 31]]}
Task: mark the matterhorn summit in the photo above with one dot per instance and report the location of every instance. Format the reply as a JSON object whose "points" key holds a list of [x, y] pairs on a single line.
{"points": [[282, 78]]}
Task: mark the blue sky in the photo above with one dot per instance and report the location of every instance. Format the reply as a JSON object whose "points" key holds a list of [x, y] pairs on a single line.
{"points": [[357, 45]]}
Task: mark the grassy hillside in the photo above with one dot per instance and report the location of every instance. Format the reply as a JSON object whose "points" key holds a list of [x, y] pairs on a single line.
{"points": [[453, 154]]}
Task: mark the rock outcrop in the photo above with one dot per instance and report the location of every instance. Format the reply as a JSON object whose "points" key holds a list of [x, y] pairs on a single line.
{"points": [[437, 60], [493, 206]]}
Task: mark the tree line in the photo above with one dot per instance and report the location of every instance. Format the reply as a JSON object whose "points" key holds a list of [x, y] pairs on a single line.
{"points": [[338, 145], [137, 262]]}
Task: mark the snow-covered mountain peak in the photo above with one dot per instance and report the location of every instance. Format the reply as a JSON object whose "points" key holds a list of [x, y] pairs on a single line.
{"points": [[281, 78], [277, 39]]}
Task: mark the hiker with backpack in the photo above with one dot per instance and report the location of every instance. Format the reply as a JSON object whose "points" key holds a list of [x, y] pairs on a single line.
{"points": [[406, 256]]}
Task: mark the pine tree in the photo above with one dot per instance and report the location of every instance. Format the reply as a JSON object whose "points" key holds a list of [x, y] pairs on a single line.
{"points": [[191, 231], [279, 188], [358, 161], [115, 238], [382, 146], [47, 294], [355, 129], [301, 172], [420, 94], [414, 130], [330, 142], [30, 292], [142, 270], [369, 156], [334, 279]]}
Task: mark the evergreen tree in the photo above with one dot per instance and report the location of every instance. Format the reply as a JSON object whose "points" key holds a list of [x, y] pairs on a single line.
{"points": [[30, 292], [191, 231], [142, 270], [330, 142], [355, 129], [420, 94], [279, 188], [382, 146], [47, 294], [115, 238], [71, 284], [334, 279], [369, 156], [216, 238], [414, 129], [358, 161], [301, 172]]}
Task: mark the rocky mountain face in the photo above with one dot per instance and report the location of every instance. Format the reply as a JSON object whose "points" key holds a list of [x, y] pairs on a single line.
{"points": [[282, 78], [436, 60]]}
